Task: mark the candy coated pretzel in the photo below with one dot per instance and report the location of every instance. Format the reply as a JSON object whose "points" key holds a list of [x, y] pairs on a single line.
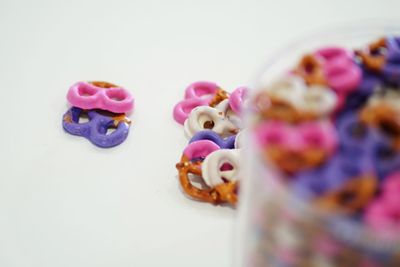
{"points": [[226, 143], [383, 213], [373, 56], [210, 118], [191, 162], [331, 66], [198, 94], [383, 56], [381, 114], [294, 148], [100, 95], [96, 129], [293, 100], [352, 196], [345, 183], [237, 99]]}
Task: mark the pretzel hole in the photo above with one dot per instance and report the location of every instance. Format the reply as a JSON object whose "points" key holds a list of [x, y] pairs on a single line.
{"points": [[111, 129], [389, 128], [379, 51], [86, 91], [226, 167], [83, 117], [116, 95], [224, 180], [346, 197], [309, 67], [208, 125], [197, 181]]}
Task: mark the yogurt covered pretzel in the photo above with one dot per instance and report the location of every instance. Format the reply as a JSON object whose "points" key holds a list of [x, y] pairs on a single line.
{"points": [[221, 179], [200, 93], [292, 100], [100, 95], [211, 118]]}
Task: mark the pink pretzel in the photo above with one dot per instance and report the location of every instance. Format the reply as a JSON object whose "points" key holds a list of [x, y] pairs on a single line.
{"points": [[201, 89], [196, 94], [297, 138], [383, 214], [200, 149], [89, 96], [340, 72], [237, 99]]}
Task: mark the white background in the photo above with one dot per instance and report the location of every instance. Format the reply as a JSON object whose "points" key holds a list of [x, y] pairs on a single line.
{"points": [[64, 202]]}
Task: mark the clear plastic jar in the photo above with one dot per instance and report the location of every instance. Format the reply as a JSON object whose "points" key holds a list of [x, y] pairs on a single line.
{"points": [[280, 230]]}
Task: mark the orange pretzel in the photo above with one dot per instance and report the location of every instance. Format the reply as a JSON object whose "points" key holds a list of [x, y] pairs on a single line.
{"points": [[102, 84], [220, 96], [280, 110], [310, 69], [291, 162], [385, 118], [354, 195], [371, 56], [226, 192]]}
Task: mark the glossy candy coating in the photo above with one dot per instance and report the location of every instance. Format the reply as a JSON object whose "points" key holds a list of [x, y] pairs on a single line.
{"points": [[210, 118], [221, 166], [197, 94], [100, 95], [237, 99], [96, 129], [225, 143]]}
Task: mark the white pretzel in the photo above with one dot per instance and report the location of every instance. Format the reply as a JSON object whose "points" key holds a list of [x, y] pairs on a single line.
{"points": [[200, 118], [294, 91], [240, 139], [211, 167], [317, 99]]}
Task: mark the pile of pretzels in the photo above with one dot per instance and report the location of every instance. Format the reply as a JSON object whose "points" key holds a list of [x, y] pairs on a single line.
{"points": [[105, 106], [331, 125], [210, 166]]}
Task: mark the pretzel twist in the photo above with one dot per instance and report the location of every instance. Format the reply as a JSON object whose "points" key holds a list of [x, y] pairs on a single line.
{"points": [[222, 193]]}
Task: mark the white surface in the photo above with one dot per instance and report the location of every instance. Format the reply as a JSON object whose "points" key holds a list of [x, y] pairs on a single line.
{"points": [[63, 202]]}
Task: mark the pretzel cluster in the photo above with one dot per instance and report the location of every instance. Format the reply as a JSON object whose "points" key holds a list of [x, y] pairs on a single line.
{"points": [[105, 105], [332, 124], [212, 122]]}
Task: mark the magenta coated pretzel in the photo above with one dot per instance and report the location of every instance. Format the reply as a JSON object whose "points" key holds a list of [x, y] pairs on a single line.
{"points": [[196, 94], [87, 95], [340, 71], [384, 212], [237, 98], [299, 137]]}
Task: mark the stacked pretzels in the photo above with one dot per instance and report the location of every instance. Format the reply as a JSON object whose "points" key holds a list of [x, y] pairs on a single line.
{"points": [[211, 118], [106, 106]]}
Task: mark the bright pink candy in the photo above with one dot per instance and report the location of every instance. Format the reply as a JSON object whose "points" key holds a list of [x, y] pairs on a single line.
{"points": [[200, 149], [196, 94], [340, 71], [383, 214], [88, 96], [237, 98], [299, 137]]}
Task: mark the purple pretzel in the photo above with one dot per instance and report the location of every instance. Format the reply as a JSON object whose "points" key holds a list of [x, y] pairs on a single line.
{"points": [[96, 128], [331, 176], [227, 143], [391, 69]]}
